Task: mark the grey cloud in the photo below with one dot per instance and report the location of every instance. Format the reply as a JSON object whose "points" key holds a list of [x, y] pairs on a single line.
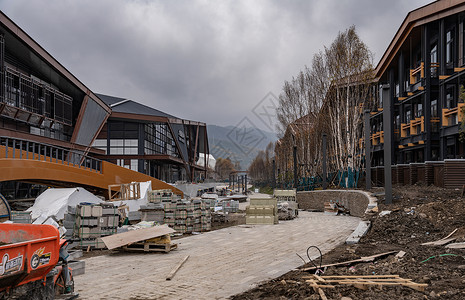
{"points": [[211, 61]]}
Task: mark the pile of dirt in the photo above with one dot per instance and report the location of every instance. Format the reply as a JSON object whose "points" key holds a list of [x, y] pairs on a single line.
{"points": [[418, 215]]}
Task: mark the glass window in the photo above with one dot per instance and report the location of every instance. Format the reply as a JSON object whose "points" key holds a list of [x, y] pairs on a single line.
{"points": [[408, 116], [434, 60], [449, 46], [450, 97], [419, 110], [434, 108], [434, 54], [134, 165]]}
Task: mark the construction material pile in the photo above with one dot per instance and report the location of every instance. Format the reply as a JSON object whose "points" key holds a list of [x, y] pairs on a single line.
{"points": [[262, 211], [183, 216], [89, 222], [287, 204]]}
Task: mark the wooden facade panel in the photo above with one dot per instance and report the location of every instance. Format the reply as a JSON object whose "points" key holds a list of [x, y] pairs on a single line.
{"points": [[454, 174]]}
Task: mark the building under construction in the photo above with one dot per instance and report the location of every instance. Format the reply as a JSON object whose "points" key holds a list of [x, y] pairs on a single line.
{"points": [[55, 131]]}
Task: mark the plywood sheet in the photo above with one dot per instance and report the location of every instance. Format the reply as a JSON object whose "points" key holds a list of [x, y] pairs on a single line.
{"points": [[133, 236]]}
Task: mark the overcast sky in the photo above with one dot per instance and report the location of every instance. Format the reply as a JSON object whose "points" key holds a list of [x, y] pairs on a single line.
{"points": [[209, 61]]}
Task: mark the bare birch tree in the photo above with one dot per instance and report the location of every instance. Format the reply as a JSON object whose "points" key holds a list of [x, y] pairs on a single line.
{"points": [[349, 65], [326, 98]]}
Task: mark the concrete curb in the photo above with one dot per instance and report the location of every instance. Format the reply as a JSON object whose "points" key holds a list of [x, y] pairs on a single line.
{"points": [[360, 231]]}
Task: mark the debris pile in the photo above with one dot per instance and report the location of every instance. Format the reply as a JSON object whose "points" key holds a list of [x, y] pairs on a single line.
{"points": [[420, 227]]}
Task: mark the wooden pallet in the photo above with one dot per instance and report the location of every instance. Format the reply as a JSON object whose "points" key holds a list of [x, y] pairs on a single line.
{"points": [[150, 247], [360, 282]]}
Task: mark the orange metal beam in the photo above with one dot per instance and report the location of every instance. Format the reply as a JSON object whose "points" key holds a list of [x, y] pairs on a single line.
{"points": [[32, 169], [35, 170]]}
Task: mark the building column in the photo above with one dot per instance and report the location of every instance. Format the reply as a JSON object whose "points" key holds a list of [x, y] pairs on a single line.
{"points": [[427, 96], [140, 148], [442, 90], [387, 93], [367, 129]]}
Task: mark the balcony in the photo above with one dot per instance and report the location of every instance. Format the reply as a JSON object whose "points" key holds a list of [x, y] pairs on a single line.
{"points": [[415, 126], [452, 116], [417, 74], [377, 138]]}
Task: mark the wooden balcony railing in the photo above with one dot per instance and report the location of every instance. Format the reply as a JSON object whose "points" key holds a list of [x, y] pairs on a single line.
{"points": [[448, 114], [377, 138], [415, 126], [414, 72]]}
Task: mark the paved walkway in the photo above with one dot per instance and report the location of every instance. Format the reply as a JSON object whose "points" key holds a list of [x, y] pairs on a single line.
{"points": [[222, 263]]}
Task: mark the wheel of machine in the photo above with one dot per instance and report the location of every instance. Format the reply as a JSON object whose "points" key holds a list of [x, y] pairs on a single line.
{"points": [[5, 210], [60, 286]]}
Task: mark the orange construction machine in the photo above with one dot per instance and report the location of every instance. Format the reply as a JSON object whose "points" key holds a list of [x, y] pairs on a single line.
{"points": [[32, 265]]}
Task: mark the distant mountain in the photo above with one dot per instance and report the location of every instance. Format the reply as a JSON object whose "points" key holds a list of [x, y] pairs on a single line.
{"points": [[240, 144]]}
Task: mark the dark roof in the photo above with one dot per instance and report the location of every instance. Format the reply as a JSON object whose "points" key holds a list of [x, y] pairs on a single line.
{"points": [[131, 107]]}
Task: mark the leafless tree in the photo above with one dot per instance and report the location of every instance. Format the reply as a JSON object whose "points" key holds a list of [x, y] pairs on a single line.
{"points": [[326, 98], [349, 65]]}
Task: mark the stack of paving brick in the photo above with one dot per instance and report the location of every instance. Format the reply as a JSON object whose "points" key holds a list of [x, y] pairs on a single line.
{"points": [[90, 222], [180, 215], [152, 212], [230, 206], [87, 227], [170, 209], [21, 217], [262, 211], [109, 221], [210, 203], [206, 217], [187, 216], [197, 215], [163, 196]]}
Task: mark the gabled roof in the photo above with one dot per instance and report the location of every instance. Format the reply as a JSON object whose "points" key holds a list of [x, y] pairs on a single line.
{"points": [[425, 14], [123, 105]]}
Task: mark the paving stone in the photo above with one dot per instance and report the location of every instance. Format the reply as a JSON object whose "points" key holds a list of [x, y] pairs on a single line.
{"points": [[214, 270]]}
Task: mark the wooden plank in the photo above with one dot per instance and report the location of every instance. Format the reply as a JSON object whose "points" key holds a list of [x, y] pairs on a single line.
{"points": [[456, 246], [413, 285], [442, 241], [363, 259], [416, 286], [133, 236], [176, 268], [322, 294], [318, 278], [369, 280], [360, 276], [396, 279]]}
